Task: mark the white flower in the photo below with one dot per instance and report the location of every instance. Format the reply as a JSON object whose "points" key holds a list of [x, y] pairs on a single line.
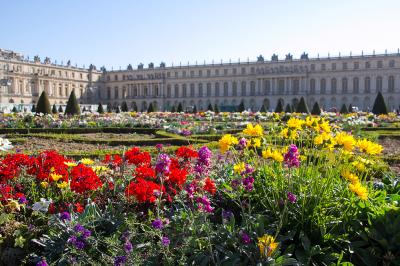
{"points": [[42, 205], [5, 144]]}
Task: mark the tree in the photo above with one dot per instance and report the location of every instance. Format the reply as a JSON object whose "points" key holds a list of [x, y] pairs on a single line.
{"points": [[350, 108], [60, 109], [43, 105], [180, 108], [72, 105], [316, 110], [109, 108], [241, 107], [14, 110], [173, 109], [54, 110], [210, 108], [302, 107], [194, 109], [288, 108], [84, 109], [33, 109], [263, 109], [100, 109], [344, 110], [117, 110], [151, 108], [379, 105], [279, 107], [134, 106], [216, 109], [124, 107]]}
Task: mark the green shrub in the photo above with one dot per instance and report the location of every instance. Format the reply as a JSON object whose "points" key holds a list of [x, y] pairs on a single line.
{"points": [[210, 108], [54, 110], [43, 105], [72, 105], [316, 110], [124, 107], [379, 105], [288, 108], [279, 107], [100, 109], [344, 110], [302, 107], [151, 108], [180, 108], [241, 107]]}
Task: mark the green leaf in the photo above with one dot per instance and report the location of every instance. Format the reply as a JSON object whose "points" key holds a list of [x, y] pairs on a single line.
{"points": [[19, 242], [305, 241]]}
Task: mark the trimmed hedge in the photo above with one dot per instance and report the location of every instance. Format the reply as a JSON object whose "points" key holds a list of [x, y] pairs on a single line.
{"points": [[79, 130]]}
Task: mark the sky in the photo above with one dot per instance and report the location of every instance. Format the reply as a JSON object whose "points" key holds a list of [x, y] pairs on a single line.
{"points": [[116, 33]]}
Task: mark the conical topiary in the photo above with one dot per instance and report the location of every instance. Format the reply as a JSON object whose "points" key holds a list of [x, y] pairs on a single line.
{"points": [[54, 110], [180, 108], [173, 109], [33, 109], [60, 109], [279, 107], [379, 105], [241, 107], [210, 108], [100, 108], [302, 107], [84, 109], [134, 106], [216, 109], [124, 107], [315, 109], [151, 108], [109, 108], [344, 110], [117, 110], [43, 105], [72, 105], [263, 110], [350, 108], [14, 110], [194, 109], [288, 108]]}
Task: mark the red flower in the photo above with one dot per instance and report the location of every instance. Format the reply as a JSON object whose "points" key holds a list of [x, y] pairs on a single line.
{"points": [[186, 153], [12, 164], [136, 157], [49, 161], [209, 186], [84, 179], [116, 160], [145, 172], [78, 207], [177, 176], [143, 190]]}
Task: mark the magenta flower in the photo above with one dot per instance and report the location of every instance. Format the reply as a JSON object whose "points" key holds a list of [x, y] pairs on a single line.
{"points": [[291, 197], [163, 163], [165, 241], [291, 158]]}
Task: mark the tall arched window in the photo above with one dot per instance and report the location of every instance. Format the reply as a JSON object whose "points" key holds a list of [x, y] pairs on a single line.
{"points": [[169, 91], [312, 86], [267, 88], [344, 85], [216, 89], [192, 90], [281, 86], [208, 89], [234, 88], [116, 96], [391, 84], [323, 86], [333, 85], [379, 84], [243, 88], [356, 84], [252, 88], [296, 86], [367, 85], [176, 92], [225, 88], [200, 89]]}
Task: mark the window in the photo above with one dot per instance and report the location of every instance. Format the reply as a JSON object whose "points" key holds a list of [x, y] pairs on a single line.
{"points": [[192, 90], [312, 86], [184, 90], [391, 84], [356, 65], [333, 66], [296, 86], [176, 74], [217, 72], [168, 74], [379, 84], [391, 63], [216, 89], [208, 89], [344, 85], [252, 70], [367, 85], [234, 71], [183, 73], [208, 73], [267, 88], [225, 88], [200, 73], [234, 88], [252, 88], [281, 86], [192, 73], [243, 88], [367, 65], [379, 64], [333, 85], [344, 65], [200, 90], [108, 77], [123, 77], [116, 77], [312, 67], [323, 67], [176, 92], [225, 72], [108, 93], [243, 70], [323, 86], [355, 85], [116, 93]]}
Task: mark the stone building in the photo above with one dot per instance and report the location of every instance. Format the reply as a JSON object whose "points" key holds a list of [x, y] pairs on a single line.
{"points": [[331, 81]]}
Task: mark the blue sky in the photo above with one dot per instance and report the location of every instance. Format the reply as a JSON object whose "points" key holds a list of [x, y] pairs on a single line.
{"points": [[116, 33]]}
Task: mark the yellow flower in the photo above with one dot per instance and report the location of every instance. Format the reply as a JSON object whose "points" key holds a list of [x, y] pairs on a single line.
{"points": [[254, 131], [55, 177], [256, 142], [44, 184], [69, 164], [361, 191], [266, 153], [100, 169], [294, 123], [62, 185], [239, 167], [288, 133], [226, 142], [359, 166], [86, 161], [349, 176], [277, 156], [267, 245], [324, 125], [369, 147], [346, 140]]}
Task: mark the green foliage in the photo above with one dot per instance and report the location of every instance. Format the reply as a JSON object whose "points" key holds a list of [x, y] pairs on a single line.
{"points": [[279, 107], [302, 107], [151, 108], [43, 105], [100, 109], [33, 109], [288, 108], [124, 107], [117, 110], [379, 105], [60, 109], [210, 108], [173, 109], [54, 109], [72, 105], [241, 107], [14, 110], [316, 110], [263, 109], [109, 108], [216, 109], [350, 108], [344, 110], [194, 109], [180, 108]]}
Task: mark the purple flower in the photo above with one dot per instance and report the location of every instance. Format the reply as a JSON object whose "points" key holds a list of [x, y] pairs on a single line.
{"points": [[65, 216], [245, 238], [42, 262], [248, 183], [291, 197], [163, 163], [157, 224], [86, 233], [22, 200], [125, 236], [128, 247], [227, 214], [76, 242], [159, 146], [186, 132], [119, 260], [203, 162], [235, 183], [242, 143], [291, 158], [78, 228], [191, 189], [165, 241]]}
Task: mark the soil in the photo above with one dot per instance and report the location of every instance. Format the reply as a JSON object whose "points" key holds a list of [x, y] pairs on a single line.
{"points": [[391, 148]]}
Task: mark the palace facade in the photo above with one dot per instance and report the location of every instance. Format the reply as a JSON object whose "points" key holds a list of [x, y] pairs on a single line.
{"points": [[330, 81]]}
